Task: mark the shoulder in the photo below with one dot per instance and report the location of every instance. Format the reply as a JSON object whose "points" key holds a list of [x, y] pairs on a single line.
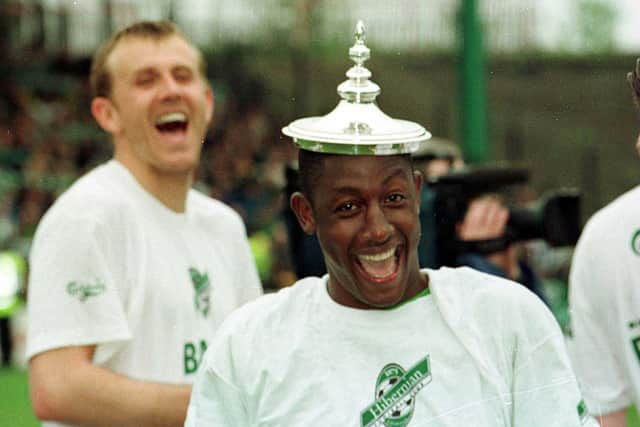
{"points": [[212, 211], [627, 200], [468, 284], [464, 294], [611, 233], [494, 312], [93, 199], [97, 185], [617, 215], [271, 313]]}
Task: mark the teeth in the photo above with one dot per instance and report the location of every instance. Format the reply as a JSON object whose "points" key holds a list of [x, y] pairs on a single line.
{"points": [[378, 257], [171, 117]]}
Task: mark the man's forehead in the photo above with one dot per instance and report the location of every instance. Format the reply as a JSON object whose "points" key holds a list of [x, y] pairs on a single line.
{"points": [[149, 52], [343, 169]]}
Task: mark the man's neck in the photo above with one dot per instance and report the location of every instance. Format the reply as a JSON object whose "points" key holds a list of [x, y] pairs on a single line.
{"points": [[169, 188]]}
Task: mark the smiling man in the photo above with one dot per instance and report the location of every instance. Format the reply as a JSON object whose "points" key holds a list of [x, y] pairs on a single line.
{"points": [[131, 269], [370, 266], [378, 341]]}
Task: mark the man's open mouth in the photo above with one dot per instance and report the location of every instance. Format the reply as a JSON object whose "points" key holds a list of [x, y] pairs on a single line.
{"points": [[172, 122], [380, 267]]}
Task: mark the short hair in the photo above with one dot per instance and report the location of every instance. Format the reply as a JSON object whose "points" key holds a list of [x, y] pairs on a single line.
{"points": [[310, 169], [634, 81], [100, 77]]}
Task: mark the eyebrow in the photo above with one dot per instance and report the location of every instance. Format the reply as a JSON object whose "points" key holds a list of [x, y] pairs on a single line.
{"points": [[153, 69], [144, 70], [398, 172], [183, 67]]}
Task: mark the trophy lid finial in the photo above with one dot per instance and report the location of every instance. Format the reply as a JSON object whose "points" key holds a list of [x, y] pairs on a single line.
{"points": [[357, 126], [359, 88]]}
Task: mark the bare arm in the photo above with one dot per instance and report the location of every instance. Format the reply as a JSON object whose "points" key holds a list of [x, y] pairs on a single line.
{"points": [[614, 419], [65, 386]]}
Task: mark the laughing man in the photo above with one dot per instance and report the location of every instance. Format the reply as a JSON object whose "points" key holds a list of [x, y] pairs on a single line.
{"points": [[131, 269]]}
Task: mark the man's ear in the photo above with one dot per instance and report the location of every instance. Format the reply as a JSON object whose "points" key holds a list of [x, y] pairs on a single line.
{"points": [[418, 182], [105, 114], [210, 101], [304, 212], [418, 178]]}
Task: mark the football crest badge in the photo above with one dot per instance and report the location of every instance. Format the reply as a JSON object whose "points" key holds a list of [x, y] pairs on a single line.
{"points": [[202, 288], [395, 394]]}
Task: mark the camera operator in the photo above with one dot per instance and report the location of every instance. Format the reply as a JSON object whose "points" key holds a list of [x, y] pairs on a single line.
{"points": [[485, 219]]}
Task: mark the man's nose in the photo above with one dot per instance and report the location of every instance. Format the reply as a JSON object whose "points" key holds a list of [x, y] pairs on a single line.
{"points": [[169, 88], [377, 227]]}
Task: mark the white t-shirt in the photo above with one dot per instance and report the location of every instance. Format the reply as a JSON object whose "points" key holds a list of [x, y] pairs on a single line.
{"points": [[112, 266], [604, 299], [477, 351]]}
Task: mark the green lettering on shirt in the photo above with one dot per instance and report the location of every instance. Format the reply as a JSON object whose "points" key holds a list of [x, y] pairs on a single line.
{"points": [[192, 356], [84, 290], [395, 394], [635, 342]]}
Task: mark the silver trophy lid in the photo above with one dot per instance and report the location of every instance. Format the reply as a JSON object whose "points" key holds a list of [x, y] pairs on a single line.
{"points": [[357, 126]]}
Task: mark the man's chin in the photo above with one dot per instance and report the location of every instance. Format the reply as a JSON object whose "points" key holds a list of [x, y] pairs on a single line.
{"points": [[382, 293], [182, 166], [383, 301]]}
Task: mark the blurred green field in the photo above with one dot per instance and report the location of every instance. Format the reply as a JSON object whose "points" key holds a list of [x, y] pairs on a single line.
{"points": [[632, 418], [15, 408]]}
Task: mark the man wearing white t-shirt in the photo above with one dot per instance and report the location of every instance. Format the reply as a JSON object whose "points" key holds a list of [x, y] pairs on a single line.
{"points": [[377, 341], [131, 269], [604, 299]]}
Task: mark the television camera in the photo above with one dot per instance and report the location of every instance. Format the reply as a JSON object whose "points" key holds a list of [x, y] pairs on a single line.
{"points": [[554, 218]]}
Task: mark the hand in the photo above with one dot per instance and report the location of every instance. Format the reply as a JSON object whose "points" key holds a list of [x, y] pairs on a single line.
{"points": [[486, 218]]}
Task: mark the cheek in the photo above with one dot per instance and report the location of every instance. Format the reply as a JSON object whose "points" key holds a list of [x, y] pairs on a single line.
{"points": [[199, 99], [409, 223], [131, 113], [335, 238]]}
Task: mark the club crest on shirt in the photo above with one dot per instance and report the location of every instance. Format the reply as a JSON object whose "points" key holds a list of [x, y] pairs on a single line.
{"points": [[635, 242], [84, 290], [202, 288], [395, 394]]}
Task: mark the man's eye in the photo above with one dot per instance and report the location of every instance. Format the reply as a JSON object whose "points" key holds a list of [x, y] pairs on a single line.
{"points": [[395, 197], [346, 207], [183, 77], [144, 80]]}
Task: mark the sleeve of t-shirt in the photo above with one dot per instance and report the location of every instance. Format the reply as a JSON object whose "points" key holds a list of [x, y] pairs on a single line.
{"points": [[72, 295], [215, 400], [544, 389], [592, 349]]}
